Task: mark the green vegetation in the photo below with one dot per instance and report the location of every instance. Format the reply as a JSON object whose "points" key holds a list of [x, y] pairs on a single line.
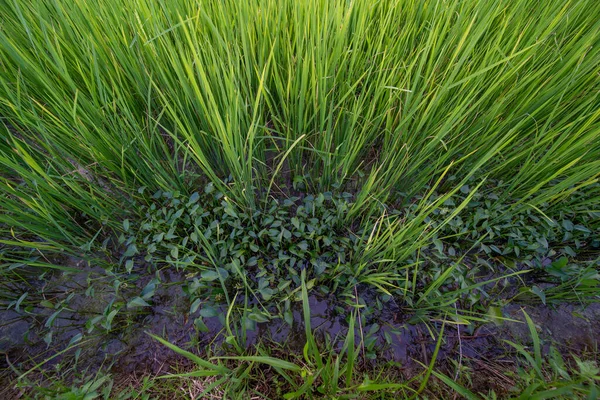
{"points": [[225, 167]]}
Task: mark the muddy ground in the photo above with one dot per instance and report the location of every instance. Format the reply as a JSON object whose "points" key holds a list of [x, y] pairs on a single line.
{"points": [[392, 334]]}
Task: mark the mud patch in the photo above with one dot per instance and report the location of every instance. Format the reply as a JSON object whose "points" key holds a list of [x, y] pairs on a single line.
{"points": [[66, 305]]}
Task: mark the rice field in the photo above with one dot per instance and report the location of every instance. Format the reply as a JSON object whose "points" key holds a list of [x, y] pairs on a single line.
{"points": [[299, 199]]}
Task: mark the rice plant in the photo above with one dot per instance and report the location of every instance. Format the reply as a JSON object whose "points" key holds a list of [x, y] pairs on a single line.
{"points": [[439, 153]]}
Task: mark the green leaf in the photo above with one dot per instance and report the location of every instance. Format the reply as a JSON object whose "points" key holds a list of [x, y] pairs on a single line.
{"points": [[560, 263], [46, 303], [131, 251], [178, 214], [137, 302], [51, 319], [149, 289], [568, 225], [288, 316], [495, 315], [582, 228], [20, 300], [129, 266], [209, 275], [267, 293], [370, 386], [537, 347], [195, 305], [223, 273], [259, 317], [75, 339], [193, 198], [109, 319], [274, 362], [295, 222], [286, 233], [438, 245], [48, 338], [209, 312], [230, 211], [540, 293], [192, 357], [464, 392], [200, 325]]}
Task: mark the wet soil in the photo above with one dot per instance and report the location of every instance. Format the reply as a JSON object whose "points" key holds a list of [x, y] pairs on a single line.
{"points": [[391, 334]]}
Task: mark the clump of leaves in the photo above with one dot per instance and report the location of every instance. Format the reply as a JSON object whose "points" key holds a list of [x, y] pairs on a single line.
{"points": [[493, 234], [528, 234], [266, 249]]}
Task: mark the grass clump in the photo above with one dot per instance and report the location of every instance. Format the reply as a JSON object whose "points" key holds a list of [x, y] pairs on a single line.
{"points": [[422, 162]]}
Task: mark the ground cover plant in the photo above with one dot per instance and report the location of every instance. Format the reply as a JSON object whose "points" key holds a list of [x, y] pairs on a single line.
{"points": [[299, 199]]}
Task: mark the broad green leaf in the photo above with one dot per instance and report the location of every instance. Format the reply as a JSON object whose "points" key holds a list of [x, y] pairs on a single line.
{"points": [[137, 302]]}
